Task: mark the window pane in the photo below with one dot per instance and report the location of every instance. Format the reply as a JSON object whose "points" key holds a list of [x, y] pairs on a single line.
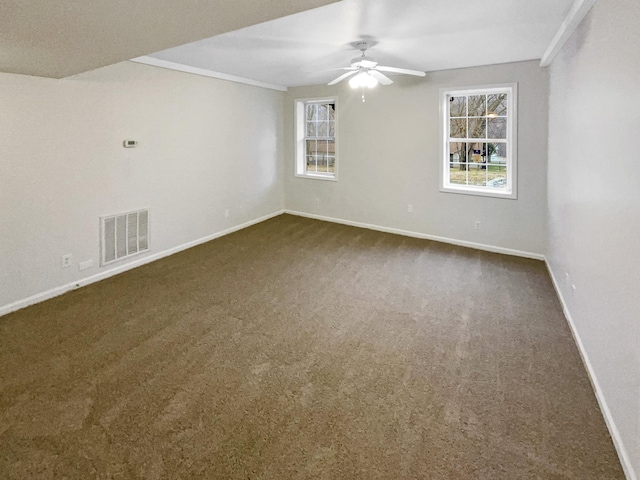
{"points": [[497, 176], [331, 113], [312, 112], [331, 147], [311, 163], [497, 165], [322, 112], [497, 153], [323, 128], [477, 127], [326, 151], [493, 153], [497, 128], [497, 104], [312, 147], [311, 129], [457, 152], [323, 148], [312, 155], [320, 121], [457, 162], [331, 162], [476, 153], [458, 128], [457, 175], [321, 156], [477, 105], [477, 176], [457, 106]]}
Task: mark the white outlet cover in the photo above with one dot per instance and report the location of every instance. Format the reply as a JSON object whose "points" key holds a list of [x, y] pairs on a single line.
{"points": [[66, 260]]}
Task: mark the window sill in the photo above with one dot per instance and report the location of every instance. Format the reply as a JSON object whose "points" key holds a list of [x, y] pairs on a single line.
{"points": [[480, 192], [331, 178]]}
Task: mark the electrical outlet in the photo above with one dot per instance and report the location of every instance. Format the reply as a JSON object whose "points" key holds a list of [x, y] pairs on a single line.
{"points": [[410, 208], [66, 260], [226, 213], [317, 202], [477, 225]]}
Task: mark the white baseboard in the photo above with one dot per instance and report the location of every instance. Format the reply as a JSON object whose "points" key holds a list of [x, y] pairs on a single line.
{"points": [[408, 233], [604, 407], [54, 292]]}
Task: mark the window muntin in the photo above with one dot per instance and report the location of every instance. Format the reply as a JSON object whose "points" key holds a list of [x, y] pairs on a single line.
{"points": [[316, 138], [479, 141]]}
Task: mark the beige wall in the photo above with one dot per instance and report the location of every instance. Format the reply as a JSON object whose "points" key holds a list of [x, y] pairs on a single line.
{"points": [[205, 145], [594, 205], [388, 156]]}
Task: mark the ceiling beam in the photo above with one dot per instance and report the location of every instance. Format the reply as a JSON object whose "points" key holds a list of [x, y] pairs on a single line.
{"points": [[575, 16], [157, 62]]}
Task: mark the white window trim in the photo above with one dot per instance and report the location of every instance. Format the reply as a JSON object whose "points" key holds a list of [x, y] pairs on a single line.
{"points": [[512, 141], [299, 147]]}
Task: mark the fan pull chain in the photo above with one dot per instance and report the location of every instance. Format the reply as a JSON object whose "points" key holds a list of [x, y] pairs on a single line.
{"points": [[362, 94]]}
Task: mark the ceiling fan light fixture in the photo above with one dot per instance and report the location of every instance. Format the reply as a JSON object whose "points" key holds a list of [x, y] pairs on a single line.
{"points": [[363, 79], [366, 73]]}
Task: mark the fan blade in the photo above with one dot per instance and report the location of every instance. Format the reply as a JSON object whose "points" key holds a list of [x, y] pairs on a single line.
{"points": [[342, 77], [383, 79], [335, 69], [405, 71]]}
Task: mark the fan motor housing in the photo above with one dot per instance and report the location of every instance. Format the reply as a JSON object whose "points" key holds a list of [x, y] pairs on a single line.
{"points": [[363, 61]]}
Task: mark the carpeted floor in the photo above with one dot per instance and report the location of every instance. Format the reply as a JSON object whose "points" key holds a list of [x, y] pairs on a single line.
{"points": [[298, 349]]}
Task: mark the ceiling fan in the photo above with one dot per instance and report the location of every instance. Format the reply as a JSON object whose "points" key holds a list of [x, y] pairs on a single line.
{"points": [[366, 73]]}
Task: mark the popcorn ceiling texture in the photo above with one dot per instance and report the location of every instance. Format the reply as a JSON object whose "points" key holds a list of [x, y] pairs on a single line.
{"points": [[303, 349]]}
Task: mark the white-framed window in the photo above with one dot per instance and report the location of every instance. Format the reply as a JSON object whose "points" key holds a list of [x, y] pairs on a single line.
{"points": [[479, 140], [316, 138]]}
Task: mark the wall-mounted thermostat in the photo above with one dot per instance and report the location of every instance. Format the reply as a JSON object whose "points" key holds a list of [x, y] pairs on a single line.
{"points": [[130, 143]]}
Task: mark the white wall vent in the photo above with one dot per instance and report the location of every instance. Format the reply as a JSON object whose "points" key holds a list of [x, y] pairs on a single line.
{"points": [[123, 235]]}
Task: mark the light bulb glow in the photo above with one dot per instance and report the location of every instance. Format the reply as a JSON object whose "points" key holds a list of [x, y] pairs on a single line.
{"points": [[363, 79]]}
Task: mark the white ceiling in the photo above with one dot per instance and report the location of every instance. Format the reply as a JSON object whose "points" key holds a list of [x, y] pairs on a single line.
{"points": [[58, 38], [426, 35]]}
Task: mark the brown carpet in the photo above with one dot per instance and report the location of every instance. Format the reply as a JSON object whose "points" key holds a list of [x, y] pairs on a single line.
{"points": [[298, 349]]}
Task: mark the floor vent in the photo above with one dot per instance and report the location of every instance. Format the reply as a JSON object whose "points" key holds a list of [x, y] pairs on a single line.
{"points": [[123, 235]]}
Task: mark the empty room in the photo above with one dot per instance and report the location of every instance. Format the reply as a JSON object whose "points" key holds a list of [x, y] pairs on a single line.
{"points": [[320, 239]]}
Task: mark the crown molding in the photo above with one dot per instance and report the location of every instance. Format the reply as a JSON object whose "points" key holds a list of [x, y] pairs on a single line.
{"points": [[577, 13]]}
